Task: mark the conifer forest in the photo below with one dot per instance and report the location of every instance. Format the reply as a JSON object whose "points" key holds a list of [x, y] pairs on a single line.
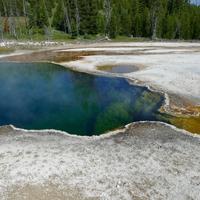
{"points": [[168, 19]]}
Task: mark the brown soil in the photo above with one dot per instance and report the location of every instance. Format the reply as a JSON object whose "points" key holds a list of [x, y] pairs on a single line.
{"points": [[48, 56]]}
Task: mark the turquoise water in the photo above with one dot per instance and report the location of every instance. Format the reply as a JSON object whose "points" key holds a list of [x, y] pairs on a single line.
{"points": [[48, 96]]}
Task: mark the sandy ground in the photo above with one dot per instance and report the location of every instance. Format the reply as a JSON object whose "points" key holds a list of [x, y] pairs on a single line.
{"points": [[147, 161]]}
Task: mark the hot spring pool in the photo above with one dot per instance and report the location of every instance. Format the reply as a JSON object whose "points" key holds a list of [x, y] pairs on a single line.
{"points": [[47, 96]]}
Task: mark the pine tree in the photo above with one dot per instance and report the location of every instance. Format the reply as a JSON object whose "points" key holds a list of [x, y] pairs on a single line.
{"points": [[172, 19]]}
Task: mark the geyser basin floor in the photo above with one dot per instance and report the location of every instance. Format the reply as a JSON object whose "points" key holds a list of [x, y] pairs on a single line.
{"points": [[47, 96], [147, 161]]}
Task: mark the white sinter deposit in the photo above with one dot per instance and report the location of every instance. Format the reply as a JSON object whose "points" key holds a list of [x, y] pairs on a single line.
{"points": [[148, 161], [171, 67]]}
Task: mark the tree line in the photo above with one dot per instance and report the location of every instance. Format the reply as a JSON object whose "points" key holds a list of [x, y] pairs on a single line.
{"points": [[170, 19]]}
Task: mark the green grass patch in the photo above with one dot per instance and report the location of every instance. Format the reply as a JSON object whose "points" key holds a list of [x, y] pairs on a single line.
{"points": [[38, 35], [4, 50]]}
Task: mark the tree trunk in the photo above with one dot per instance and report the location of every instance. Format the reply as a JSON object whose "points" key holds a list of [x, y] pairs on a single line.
{"points": [[25, 13], [11, 20], [4, 8], [108, 12], [154, 31], [77, 18], [67, 21], [154, 20], [1, 27]]}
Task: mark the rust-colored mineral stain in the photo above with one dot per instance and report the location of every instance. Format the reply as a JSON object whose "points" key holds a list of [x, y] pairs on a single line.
{"points": [[182, 106], [48, 56], [187, 118], [186, 111]]}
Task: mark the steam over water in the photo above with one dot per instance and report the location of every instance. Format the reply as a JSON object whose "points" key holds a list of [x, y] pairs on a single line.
{"points": [[47, 96]]}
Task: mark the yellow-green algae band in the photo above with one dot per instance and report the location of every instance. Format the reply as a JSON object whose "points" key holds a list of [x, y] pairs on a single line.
{"points": [[189, 123]]}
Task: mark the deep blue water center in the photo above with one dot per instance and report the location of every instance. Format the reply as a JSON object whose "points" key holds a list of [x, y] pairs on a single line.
{"points": [[47, 96]]}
